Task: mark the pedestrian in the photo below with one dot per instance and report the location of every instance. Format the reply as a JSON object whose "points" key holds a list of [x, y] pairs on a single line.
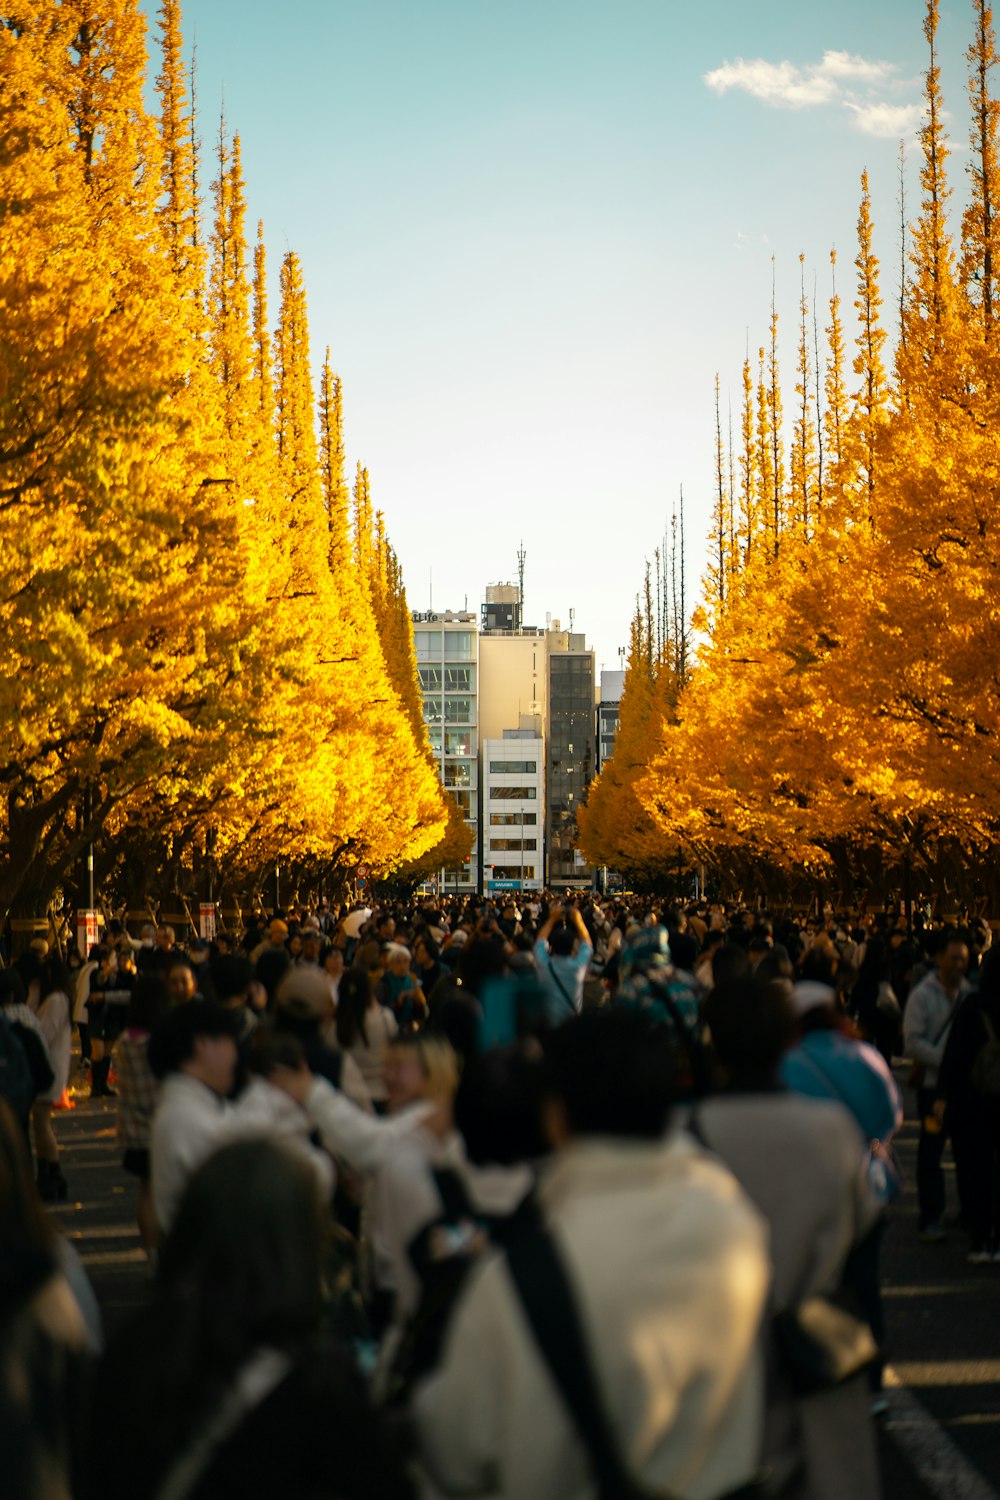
{"points": [[55, 1020], [659, 1265], [930, 1011], [43, 1337], [802, 1162], [193, 1053], [563, 952], [967, 1106], [138, 1090], [224, 1387], [365, 1028]]}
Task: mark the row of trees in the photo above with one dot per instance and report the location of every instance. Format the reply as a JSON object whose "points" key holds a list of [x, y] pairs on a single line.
{"points": [[844, 712], [205, 637]]}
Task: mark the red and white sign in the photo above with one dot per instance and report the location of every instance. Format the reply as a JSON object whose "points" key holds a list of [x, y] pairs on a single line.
{"points": [[206, 920], [87, 931]]}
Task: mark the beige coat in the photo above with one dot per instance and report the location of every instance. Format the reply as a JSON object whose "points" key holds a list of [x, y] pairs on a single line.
{"points": [[668, 1262]]}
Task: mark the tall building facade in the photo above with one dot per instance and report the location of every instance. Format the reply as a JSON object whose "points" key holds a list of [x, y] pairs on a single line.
{"points": [[570, 752], [447, 650]]}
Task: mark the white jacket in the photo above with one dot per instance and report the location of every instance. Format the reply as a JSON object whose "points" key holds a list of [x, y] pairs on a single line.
{"points": [[365, 1142], [192, 1121], [668, 1261]]}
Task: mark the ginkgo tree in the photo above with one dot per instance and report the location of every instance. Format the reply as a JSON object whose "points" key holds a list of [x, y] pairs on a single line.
{"points": [[843, 715], [192, 654]]}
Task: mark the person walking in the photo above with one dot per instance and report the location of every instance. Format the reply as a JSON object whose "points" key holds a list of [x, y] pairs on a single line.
{"points": [[927, 1021]]}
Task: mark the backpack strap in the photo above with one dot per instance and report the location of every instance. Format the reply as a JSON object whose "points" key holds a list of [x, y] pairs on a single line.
{"points": [[546, 1297], [547, 1300]]}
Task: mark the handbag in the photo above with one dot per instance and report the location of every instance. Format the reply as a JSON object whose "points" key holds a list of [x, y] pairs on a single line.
{"points": [[547, 1300], [822, 1342], [887, 1000]]}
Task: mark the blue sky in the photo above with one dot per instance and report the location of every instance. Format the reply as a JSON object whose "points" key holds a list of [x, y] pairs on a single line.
{"points": [[532, 231]]}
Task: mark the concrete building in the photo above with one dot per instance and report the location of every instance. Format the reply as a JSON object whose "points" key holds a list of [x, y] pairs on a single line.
{"points": [[447, 650], [501, 608], [510, 684], [513, 783], [570, 752], [513, 677], [608, 706]]}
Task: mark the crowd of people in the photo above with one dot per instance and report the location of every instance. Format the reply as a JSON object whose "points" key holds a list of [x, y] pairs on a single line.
{"points": [[530, 1198]]}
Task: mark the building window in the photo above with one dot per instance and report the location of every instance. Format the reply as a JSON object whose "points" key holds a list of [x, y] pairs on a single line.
{"points": [[513, 767], [513, 793], [511, 872], [513, 820], [427, 645], [458, 742], [459, 645], [516, 844], [457, 773], [459, 711], [458, 679], [430, 679]]}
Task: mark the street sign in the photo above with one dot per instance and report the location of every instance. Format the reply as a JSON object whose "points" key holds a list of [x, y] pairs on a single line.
{"points": [[206, 921], [86, 931]]}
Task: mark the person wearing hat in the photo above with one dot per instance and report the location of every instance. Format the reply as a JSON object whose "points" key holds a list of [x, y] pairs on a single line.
{"points": [[649, 981], [277, 937], [305, 1007]]}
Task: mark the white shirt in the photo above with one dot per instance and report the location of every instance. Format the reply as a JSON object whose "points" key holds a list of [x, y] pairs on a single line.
{"points": [[365, 1142], [192, 1122]]}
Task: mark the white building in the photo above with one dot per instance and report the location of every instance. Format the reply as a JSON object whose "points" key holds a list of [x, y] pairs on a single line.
{"points": [[514, 809]]}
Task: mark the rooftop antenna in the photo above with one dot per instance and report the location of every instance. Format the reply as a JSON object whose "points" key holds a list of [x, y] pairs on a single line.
{"points": [[572, 617], [521, 554], [430, 598]]}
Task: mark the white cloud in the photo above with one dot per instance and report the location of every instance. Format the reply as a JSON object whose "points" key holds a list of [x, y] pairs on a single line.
{"points": [[848, 65], [883, 119], [774, 83], [857, 84]]}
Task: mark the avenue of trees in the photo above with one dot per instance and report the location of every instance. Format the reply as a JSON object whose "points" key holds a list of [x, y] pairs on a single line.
{"points": [[841, 716], [205, 641]]}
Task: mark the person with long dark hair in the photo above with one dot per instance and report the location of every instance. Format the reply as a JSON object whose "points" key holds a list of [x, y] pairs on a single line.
{"points": [[43, 1336], [365, 1029], [55, 1020], [223, 1386]]}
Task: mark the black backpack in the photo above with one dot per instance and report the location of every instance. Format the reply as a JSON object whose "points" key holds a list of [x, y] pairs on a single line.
{"points": [[17, 1083]]}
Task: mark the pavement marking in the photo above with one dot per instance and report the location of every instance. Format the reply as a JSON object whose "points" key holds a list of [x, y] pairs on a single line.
{"points": [[948, 1372], [938, 1463], [115, 1258], [938, 1289], [105, 1232]]}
